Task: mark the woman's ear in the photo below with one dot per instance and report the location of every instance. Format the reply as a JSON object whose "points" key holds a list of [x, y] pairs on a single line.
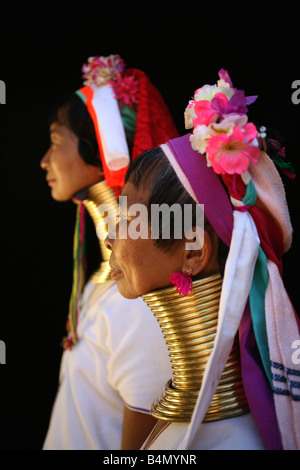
{"points": [[200, 258]]}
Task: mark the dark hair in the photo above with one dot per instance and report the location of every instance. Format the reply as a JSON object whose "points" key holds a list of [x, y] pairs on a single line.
{"points": [[71, 112], [165, 188]]}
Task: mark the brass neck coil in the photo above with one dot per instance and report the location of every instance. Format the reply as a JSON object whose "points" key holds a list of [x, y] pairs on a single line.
{"points": [[189, 327], [98, 194]]}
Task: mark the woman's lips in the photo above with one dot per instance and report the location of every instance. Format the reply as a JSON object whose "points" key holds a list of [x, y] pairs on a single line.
{"points": [[50, 181], [115, 273]]}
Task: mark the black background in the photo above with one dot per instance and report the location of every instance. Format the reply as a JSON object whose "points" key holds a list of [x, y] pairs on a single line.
{"points": [[180, 46]]}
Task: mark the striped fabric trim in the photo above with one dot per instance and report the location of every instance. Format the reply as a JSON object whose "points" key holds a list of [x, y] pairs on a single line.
{"points": [[81, 95], [286, 377]]}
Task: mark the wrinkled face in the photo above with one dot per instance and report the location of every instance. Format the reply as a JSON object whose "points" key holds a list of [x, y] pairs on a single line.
{"points": [[138, 265], [67, 172]]}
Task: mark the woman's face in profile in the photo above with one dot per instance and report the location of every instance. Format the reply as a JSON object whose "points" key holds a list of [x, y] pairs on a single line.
{"points": [[138, 266], [67, 172]]}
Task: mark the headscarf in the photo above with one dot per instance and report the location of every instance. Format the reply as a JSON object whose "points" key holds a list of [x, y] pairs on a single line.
{"points": [[122, 101]]}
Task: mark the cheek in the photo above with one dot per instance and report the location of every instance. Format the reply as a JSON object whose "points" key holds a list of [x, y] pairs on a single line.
{"points": [[126, 253], [131, 260], [65, 157], [160, 265], [61, 164], [150, 270], [64, 181], [69, 172]]}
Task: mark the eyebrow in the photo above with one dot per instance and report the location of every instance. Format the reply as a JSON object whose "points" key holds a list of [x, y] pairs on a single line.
{"points": [[56, 132], [56, 129]]}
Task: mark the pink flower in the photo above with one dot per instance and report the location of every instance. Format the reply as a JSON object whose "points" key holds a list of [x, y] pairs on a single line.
{"points": [[232, 153], [126, 90], [205, 115]]}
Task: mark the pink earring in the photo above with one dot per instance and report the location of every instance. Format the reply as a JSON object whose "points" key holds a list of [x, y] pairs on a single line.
{"points": [[182, 281]]}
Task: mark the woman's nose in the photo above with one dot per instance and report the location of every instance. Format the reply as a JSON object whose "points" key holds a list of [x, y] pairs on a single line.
{"points": [[44, 163], [108, 243]]}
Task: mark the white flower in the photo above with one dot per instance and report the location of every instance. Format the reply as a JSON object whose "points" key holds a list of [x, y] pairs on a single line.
{"points": [[207, 92], [200, 137], [189, 115], [222, 84]]}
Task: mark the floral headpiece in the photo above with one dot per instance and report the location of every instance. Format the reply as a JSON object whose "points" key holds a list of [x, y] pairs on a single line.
{"points": [[218, 114], [101, 70]]}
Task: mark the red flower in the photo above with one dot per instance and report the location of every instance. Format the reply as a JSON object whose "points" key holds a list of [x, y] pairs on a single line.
{"points": [[126, 90]]}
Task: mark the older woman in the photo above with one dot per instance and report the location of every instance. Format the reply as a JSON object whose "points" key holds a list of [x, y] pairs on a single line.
{"points": [[228, 322]]}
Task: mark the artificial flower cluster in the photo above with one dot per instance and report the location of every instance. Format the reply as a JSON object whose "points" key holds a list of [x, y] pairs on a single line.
{"points": [[101, 70], [218, 114]]}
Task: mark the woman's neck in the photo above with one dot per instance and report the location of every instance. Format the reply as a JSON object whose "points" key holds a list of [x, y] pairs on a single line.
{"points": [[189, 326]]}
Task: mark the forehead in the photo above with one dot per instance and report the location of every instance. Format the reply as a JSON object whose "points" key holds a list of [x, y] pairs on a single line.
{"points": [[58, 129], [61, 132]]}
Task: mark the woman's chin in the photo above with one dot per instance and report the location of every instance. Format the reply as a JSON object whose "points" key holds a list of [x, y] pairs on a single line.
{"points": [[125, 292], [60, 197]]}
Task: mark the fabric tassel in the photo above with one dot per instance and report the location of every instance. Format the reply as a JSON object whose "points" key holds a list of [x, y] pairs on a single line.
{"points": [[277, 154], [78, 276], [182, 281]]}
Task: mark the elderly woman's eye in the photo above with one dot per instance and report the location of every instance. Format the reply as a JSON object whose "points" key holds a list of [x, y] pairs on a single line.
{"points": [[121, 218]]}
